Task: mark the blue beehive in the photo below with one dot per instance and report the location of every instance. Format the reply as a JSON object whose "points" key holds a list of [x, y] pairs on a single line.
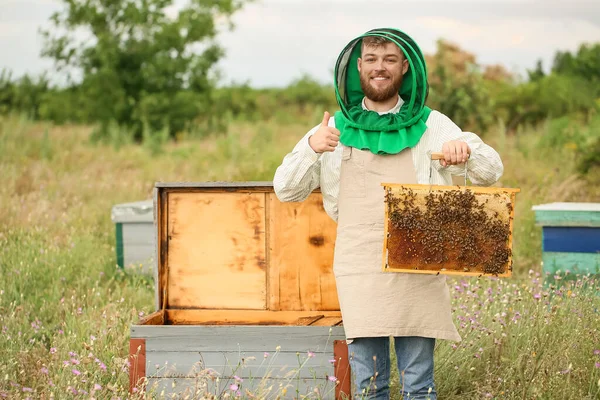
{"points": [[570, 237]]}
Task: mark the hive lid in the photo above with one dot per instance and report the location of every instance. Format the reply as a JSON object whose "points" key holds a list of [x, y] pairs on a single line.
{"points": [[138, 211], [595, 207], [228, 246]]}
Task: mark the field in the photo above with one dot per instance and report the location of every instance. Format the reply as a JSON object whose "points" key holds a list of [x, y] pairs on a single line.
{"points": [[65, 308]]}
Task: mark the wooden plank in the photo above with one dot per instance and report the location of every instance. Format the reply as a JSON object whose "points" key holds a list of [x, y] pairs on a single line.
{"points": [[306, 321], [343, 388], [328, 321], [241, 363], [475, 189], [511, 223], [157, 251], [386, 234], [215, 185], [567, 218], [576, 263], [570, 239], [260, 388], [242, 317], [137, 360], [163, 245], [317, 339], [301, 255], [156, 318], [216, 250]]}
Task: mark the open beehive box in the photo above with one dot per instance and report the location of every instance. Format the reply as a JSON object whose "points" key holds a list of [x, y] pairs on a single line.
{"points": [[245, 292], [464, 230]]}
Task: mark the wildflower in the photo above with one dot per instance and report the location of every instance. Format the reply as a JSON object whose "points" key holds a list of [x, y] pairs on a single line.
{"points": [[332, 361], [278, 348], [597, 352], [74, 361], [332, 378], [72, 354], [44, 370], [26, 389], [76, 372], [537, 296], [97, 387], [238, 379], [233, 387], [266, 354], [311, 354], [597, 365], [92, 337]]}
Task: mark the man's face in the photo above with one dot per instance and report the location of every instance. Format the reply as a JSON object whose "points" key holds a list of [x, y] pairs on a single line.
{"points": [[381, 70]]}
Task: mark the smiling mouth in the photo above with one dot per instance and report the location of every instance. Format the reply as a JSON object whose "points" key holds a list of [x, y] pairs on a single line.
{"points": [[380, 78]]}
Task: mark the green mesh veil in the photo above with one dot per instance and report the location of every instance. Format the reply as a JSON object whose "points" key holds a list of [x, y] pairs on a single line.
{"points": [[387, 133]]}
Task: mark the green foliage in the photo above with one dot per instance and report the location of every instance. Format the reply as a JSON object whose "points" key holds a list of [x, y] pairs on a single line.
{"points": [[141, 66], [585, 63], [24, 94]]}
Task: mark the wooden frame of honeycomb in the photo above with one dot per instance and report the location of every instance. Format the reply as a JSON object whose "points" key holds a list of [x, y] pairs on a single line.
{"points": [[454, 230]]}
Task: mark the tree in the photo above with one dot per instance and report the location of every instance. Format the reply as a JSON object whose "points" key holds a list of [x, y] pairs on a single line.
{"points": [[140, 67], [536, 74], [459, 89], [585, 63]]}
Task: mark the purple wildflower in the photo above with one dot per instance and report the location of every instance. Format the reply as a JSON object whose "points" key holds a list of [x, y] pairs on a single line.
{"points": [[76, 372], [597, 352], [311, 354], [233, 387], [332, 378], [44, 370], [97, 387]]}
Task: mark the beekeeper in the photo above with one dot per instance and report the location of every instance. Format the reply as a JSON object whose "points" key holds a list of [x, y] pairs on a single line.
{"points": [[383, 133]]}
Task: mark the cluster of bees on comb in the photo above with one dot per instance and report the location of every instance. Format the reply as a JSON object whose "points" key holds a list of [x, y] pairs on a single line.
{"points": [[450, 230]]}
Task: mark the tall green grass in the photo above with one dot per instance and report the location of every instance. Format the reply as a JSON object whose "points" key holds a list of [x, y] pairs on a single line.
{"points": [[65, 308]]}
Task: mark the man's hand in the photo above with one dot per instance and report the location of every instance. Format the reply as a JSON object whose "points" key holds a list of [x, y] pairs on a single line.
{"points": [[325, 138], [455, 152]]}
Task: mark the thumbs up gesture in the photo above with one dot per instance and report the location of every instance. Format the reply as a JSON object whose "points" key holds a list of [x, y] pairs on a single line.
{"points": [[326, 138]]}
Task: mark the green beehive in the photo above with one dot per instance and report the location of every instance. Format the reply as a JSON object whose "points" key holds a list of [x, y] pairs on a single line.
{"points": [[570, 237], [135, 235]]}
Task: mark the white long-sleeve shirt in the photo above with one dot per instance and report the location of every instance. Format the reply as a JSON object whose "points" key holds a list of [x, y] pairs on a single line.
{"points": [[303, 170]]}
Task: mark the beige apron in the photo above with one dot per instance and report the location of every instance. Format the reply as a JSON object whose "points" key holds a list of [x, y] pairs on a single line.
{"points": [[376, 303]]}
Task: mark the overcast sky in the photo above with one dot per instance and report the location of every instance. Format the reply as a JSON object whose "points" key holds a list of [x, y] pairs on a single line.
{"points": [[276, 41]]}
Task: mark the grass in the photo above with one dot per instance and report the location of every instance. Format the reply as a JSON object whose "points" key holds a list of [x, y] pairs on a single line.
{"points": [[66, 309]]}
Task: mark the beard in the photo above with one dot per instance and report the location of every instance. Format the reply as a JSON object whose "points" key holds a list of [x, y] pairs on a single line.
{"points": [[380, 94]]}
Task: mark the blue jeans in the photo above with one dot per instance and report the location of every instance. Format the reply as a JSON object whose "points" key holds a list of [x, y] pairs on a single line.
{"points": [[370, 364]]}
